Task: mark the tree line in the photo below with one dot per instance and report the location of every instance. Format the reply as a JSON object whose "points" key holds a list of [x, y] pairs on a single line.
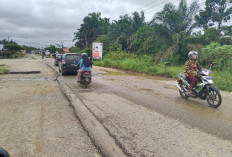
{"points": [[169, 36]]}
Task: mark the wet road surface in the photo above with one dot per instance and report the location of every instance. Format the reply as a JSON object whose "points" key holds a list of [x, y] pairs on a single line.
{"points": [[163, 97], [147, 117]]}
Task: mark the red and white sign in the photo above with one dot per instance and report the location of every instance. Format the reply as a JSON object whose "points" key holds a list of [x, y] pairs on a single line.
{"points": [[97, 50]]}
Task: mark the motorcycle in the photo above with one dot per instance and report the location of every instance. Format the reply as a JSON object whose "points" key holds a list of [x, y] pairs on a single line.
{"points": [[204, 90], [86, 78]]}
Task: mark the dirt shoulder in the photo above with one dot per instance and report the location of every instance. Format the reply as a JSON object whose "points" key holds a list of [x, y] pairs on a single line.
{"points": [[35, 117]]}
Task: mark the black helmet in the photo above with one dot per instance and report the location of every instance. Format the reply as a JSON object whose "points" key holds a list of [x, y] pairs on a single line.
{"points": [[84, 54]]}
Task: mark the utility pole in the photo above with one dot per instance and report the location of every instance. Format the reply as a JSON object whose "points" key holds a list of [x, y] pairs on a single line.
{"points": [[62, 44], [8, 38]]}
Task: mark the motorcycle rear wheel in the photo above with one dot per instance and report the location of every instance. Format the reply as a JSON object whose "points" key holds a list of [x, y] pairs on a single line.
{"points": [[86, 84], [214, 98]]}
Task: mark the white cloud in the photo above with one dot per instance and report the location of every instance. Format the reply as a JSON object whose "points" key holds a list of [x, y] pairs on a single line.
{"points": [[43, 22]]}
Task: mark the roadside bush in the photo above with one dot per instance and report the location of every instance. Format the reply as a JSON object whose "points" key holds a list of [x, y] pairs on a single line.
{"points": [[88, 51], [145, 64], [17, 55], [219, 55], [11, 54], [3, 69], [223, 80]]}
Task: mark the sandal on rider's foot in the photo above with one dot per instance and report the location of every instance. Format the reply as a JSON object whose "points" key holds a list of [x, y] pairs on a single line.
{"points": [[191, 95]]}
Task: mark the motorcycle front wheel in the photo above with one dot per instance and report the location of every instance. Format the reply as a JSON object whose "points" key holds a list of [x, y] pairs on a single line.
{"points": [[183, 94], [214, 98]]}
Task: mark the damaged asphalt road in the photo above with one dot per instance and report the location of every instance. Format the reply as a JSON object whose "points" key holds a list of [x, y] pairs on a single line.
{"points": [[144, 116], [36, 120], [147, 117]]}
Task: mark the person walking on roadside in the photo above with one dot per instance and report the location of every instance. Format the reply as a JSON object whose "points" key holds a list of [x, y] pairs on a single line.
{"points": [[85, 64], [43, 54]]}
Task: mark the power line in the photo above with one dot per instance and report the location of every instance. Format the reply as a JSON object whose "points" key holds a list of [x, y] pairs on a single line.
{"points": [[158, 5], [200, 4], [139, 9], [155, 6], [146, 5]]}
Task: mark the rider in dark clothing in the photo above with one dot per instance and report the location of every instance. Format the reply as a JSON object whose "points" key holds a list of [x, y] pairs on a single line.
{"points": [[85, 64]]}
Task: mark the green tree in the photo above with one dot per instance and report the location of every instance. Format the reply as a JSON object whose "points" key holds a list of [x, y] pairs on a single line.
{"points": [[204, 18], [75, 50], [212, 35], [215, 11], [138, 21], [152, 39], [222, 11], [123, 30], [29, 48], [51, 48], [227, 30], [13, 46], [4, 41], [177, 19], [106, 42], [93, 26]]}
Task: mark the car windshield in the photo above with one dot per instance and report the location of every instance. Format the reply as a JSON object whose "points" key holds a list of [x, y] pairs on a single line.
{"points": [[73, 57]]}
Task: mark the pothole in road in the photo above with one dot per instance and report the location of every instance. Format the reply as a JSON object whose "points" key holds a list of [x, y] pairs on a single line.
{"points": [[146, 89], [24, 72], [99, 73], [106, 72]]}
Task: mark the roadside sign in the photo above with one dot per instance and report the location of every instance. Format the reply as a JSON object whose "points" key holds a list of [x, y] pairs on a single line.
{"points": [[97, 50]]}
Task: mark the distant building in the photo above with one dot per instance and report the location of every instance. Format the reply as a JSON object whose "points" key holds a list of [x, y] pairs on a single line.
{"points": [[66, 50], [1, 47], [23, 51], [47, 53], [35, 52]]}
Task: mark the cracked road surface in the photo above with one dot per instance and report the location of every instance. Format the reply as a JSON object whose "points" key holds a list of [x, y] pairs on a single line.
{"points": [[147, 117], [36, 120]]}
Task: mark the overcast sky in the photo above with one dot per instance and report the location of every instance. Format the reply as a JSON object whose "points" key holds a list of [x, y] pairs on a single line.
{"points": [[40, 23]]}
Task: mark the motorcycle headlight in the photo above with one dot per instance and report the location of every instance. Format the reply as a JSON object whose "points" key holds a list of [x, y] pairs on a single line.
{"points": [[207, 78]]}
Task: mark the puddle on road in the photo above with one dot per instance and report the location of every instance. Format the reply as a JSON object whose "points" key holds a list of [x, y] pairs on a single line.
{"points": [[142, 76], [171, 87], [146, 89], [112, 73]]}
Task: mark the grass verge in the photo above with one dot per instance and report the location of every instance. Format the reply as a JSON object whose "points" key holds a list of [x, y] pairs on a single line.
{"points": [[3, 69], [145, 64]]}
